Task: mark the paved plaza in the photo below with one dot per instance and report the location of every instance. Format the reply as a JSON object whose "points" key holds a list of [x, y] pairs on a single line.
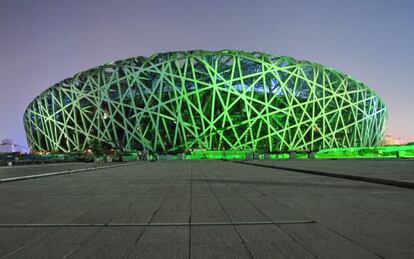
{"points": [[208, 209]]}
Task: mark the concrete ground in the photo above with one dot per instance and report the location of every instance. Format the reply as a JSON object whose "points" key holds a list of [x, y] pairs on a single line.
{"points": [[393, 169], [206, 209], [23, 170]]}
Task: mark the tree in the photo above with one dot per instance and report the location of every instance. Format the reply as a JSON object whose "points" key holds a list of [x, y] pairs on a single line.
{"points": [[96, 147]]}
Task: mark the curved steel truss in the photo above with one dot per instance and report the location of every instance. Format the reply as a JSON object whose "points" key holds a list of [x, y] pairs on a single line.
{"points": [[213, 100]]}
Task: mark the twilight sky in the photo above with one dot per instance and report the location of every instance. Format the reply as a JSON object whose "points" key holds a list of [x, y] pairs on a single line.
{"points": [[45, 41]]}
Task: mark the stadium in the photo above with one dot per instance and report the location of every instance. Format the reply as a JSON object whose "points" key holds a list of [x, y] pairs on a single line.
{"points": [[212, 100]]}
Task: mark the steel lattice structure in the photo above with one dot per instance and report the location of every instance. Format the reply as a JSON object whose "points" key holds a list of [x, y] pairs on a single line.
{"points": [[235, 100]]}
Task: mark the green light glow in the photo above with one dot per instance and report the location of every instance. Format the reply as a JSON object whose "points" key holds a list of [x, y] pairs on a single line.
{"points": [[368, 152], [230, 100]]}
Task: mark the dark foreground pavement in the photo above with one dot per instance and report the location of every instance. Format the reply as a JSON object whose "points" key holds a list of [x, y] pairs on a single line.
{"points": [[392, 169], [204, 209]]}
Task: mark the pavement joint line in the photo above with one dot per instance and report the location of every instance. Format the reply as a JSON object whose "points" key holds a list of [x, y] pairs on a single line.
{"points": [[37, 165], [191, 211], [243, 241], [395, 183], [141, 235], [140, 196], [69, 171], [223, 173], [172, 224]]}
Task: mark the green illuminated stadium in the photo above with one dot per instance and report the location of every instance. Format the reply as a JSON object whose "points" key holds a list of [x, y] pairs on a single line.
{"points": [[213, 100]]}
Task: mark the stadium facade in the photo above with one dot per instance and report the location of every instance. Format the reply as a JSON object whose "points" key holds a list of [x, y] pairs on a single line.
{"points": [[214, 100]]}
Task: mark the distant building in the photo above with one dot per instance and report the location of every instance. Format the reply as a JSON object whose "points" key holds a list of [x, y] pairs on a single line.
{"points": [[390, 140], [6, 146]]}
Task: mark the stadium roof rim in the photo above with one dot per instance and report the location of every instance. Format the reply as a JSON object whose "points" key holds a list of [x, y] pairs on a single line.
{"points": [[209, 52]]}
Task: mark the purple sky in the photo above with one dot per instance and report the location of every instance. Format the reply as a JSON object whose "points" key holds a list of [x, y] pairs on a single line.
{"points": [[45, 41]]}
